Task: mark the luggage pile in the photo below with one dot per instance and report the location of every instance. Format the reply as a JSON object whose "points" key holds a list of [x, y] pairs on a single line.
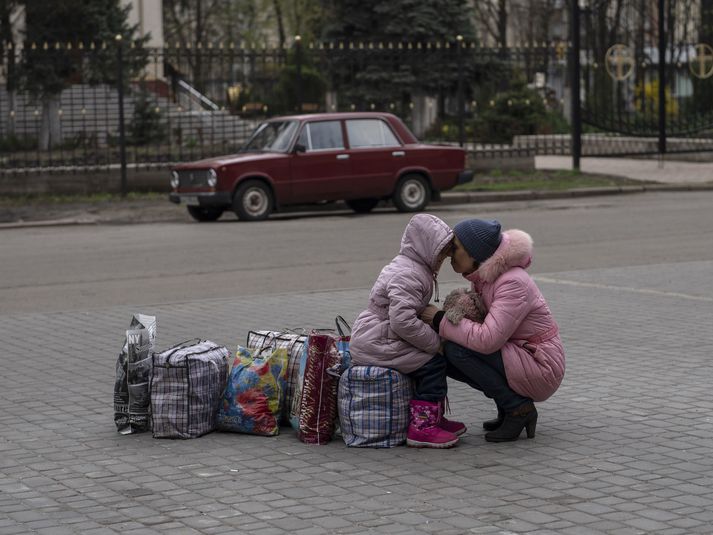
{"points": [[298, 378]]}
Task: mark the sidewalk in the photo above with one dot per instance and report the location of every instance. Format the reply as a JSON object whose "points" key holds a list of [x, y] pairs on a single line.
{"points": [[665, 172], [623, 448]]}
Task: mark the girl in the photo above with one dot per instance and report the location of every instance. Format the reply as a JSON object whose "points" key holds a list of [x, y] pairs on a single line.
{"points": [[515, 356], [389, 333]]}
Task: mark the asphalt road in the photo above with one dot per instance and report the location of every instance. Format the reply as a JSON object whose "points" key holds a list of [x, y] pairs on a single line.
{"points": [[81, 267]]}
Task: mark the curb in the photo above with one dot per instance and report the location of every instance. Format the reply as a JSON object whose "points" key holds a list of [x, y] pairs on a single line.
{"points": [[449, 198], [526, 195], [49, 223]]}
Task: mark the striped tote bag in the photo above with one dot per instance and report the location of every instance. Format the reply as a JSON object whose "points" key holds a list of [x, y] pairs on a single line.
{"points": [[187, 382], [374, 406]]}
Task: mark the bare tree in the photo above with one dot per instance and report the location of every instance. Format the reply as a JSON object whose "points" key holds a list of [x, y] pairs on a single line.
{"points": [[491, 18], [280, 22], [7, 53], [190, 23]]}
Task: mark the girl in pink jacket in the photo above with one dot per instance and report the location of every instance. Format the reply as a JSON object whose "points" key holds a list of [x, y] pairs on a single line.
{"points": [[515, 356], [390, 334]]}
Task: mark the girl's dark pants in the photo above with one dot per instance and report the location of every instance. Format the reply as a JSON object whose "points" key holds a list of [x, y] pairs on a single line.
{"points": [[430, 382], [483, 372]]}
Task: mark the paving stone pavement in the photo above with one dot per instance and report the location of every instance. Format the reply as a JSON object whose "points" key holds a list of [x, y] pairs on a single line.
{"points": [[624, 447]]}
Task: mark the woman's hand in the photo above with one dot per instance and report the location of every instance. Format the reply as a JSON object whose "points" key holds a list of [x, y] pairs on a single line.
{"points": [[428, 313]]}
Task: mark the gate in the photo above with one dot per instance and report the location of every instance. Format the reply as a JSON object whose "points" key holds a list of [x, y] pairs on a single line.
{"points": [[645, 71]]}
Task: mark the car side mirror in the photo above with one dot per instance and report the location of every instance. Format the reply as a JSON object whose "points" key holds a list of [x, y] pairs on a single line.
{"points": [[299, 148]]}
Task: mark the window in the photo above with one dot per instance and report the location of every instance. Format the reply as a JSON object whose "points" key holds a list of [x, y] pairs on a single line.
{"points": [[322, 135], [271, 136], [370, 133]]}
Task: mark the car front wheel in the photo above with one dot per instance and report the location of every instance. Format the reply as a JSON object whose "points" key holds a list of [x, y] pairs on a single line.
{"points": [[362, 206], [412, 194], [205, 214], [252, 201]]}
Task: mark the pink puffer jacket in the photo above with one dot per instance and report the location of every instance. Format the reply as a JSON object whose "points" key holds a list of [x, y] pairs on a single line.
{"points": [[389, 333], [519, 321]]}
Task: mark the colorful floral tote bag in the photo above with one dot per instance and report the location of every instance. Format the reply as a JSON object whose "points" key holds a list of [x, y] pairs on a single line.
{"points": [[252, 399]]}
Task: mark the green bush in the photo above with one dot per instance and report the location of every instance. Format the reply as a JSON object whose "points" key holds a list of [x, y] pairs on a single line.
{"points": [[447, 130], [13, 143], [146, 125], [520, 111], [284, 97]]}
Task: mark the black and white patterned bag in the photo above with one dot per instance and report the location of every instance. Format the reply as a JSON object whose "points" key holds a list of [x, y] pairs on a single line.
{"points": [[186, 387], [133, 370]]}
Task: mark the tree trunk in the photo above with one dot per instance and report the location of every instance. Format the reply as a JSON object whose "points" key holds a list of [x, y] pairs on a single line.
{"points": [[280, 23], [9, 53], [502, 24], [50, 128]]}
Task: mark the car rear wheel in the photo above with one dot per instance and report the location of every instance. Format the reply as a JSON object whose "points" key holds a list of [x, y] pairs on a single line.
{"points": [[252, 201], [205, 214], [412, 194], [362, 206]]}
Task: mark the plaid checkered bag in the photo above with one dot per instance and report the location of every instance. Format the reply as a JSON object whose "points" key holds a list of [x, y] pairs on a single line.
{"points": [[374, 406], [294, 344], [186, 386]]}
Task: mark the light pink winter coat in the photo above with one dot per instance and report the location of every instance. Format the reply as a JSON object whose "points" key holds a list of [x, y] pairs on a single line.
{"points": [[389, 333], [519, 321]]}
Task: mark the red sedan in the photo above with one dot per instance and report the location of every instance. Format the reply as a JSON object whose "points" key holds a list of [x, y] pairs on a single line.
{"points": [[360, 158]]}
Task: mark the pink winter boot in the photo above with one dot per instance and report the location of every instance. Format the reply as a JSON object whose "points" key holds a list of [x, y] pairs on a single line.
{"points": [[423, 431], [457, 428]]}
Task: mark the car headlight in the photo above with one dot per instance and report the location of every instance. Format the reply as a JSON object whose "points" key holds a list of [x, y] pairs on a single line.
{"points": [[212, 178], [174, 179]]}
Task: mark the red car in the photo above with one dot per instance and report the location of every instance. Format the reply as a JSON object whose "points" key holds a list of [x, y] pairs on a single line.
{"points": [[360, 158]]}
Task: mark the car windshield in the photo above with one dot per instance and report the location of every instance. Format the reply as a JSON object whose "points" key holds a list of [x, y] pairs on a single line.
{"points": [[273, 136]]}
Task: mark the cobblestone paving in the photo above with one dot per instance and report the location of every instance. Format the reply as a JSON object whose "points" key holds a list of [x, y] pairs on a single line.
{"points": [[624, 447]]}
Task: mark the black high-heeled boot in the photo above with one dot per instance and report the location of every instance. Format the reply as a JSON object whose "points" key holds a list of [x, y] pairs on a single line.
{"points": [[524, 417], [492, 425]]}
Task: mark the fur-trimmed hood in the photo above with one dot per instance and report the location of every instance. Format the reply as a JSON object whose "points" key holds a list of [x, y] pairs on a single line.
{"points": [[515, 250]]}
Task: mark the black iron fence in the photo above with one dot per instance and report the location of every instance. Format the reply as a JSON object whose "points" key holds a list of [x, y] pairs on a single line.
{"points": [[113, 106], [643, 75], [119, 106]]}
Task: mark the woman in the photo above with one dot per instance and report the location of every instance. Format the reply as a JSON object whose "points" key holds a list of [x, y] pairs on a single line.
{"points": [[515, 356]]}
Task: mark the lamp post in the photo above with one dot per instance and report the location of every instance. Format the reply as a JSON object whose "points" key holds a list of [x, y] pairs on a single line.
{"points": [[662, 77], [298, 64], [576, 104], [120, 90], [461, 100]]}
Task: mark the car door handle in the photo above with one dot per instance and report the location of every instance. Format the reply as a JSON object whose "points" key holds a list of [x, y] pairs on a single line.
{"points": [[398, 153], [342, 156]]}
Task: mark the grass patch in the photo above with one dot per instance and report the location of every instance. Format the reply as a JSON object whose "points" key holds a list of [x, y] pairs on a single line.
{"points": [[498, 180], [24, 200]]}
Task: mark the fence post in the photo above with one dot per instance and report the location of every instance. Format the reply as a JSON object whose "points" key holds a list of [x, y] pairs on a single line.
{"points": [[298, 64], [575, 101], [120, 89], [662, 78], [461, 100]]}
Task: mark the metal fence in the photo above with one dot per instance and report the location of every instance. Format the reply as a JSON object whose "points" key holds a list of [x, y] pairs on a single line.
{"points": [[120, 107], [148, 108]]}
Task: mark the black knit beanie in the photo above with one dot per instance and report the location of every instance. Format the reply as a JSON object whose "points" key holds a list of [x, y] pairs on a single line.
{"points": [[479, 237]]}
